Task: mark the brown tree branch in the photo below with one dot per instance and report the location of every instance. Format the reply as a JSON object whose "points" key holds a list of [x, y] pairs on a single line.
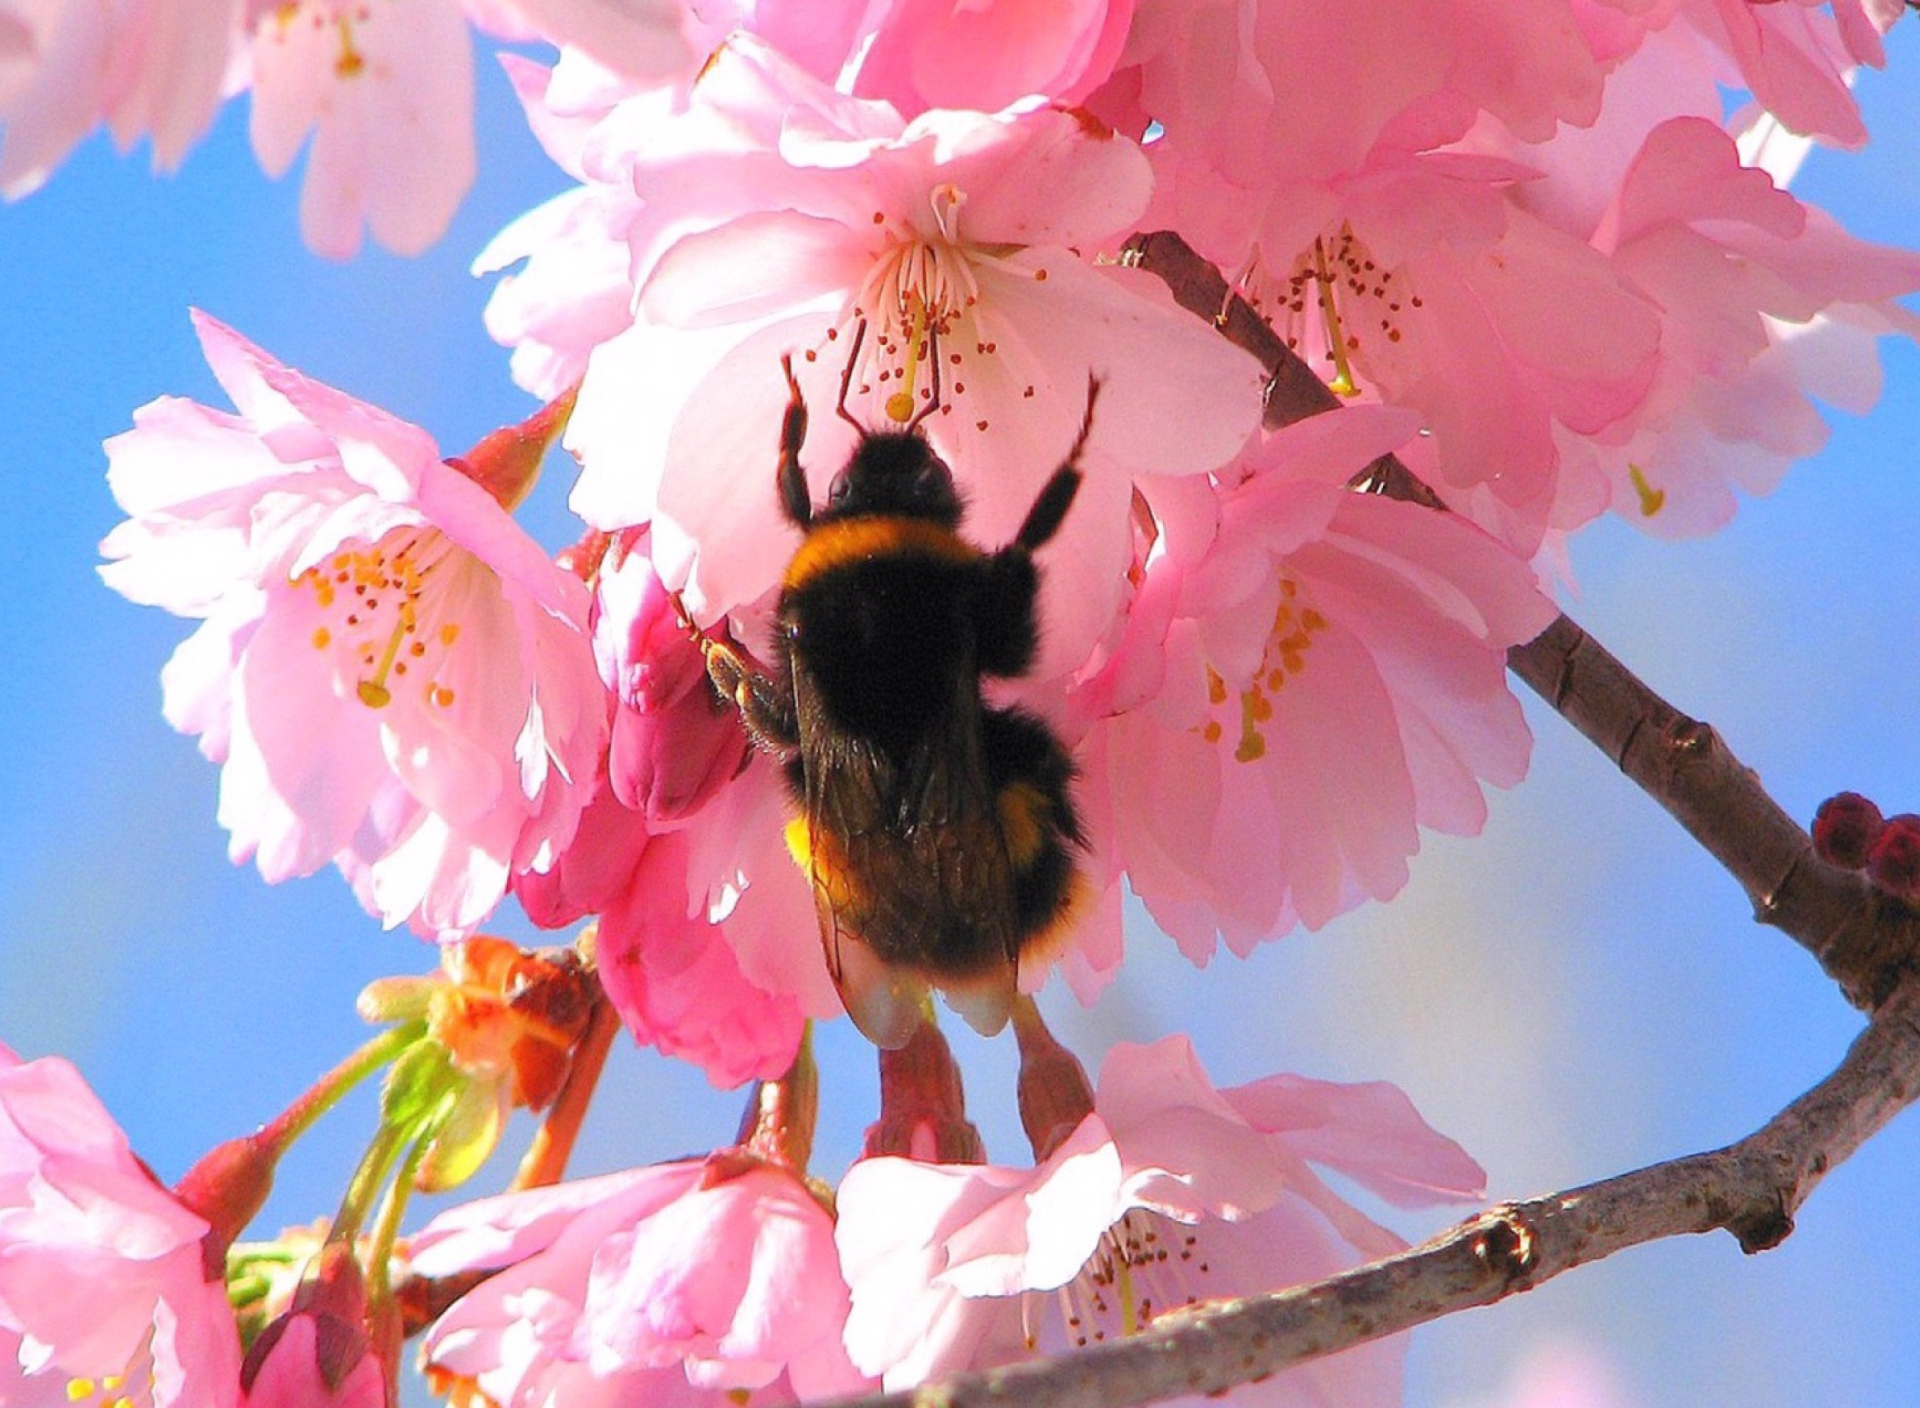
{"points": [[1752, 1189], [1866, 941]]}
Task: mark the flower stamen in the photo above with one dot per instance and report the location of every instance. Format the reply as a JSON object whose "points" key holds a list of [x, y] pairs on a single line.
{"points": [[1357, 307], [1294, 626], [351, 61], [919, 292], [1343, 383], [1145, 1264], [378, 598], [126, 1389]]}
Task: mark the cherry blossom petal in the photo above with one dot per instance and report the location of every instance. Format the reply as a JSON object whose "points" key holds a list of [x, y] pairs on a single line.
{"points": [[387, 91]]}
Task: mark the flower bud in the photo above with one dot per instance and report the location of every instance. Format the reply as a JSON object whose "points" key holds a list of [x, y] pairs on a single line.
{"points": [[1893, 862], [320, 1352], [1844, 829], [506, 463]]}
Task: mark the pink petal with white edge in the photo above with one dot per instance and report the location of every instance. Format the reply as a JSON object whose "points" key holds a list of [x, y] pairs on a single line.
{"points": [[1046, 177], [510, 1227], [389, 98], [741, 876], [757, 266], [317, 756], [908, 1321], [1041, 1240], [1369, 1132], [676, 981], [1189, 1153], [640, 38], [1344, 805]]}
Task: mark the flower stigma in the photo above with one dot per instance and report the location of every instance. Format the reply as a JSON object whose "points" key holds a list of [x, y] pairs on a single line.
{"points": [[1337, 296], [912, 319], [351, 60], [1145, 1265], [383, 606], [1294, 626], [1652, 500]]}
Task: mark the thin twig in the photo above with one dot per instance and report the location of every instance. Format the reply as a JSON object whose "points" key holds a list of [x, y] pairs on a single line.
{"points": [[1864, 940], [1752, 1189]]}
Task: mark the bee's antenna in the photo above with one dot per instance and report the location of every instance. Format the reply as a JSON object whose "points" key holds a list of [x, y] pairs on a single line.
{"points": [[1086, 420], [933, 401], [846, 376]]}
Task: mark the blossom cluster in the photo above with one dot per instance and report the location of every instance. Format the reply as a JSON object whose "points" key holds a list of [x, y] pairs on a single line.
{"points": [[1522, 242], [1531, 256]]}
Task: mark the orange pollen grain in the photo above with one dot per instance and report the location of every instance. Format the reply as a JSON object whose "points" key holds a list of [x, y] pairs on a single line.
{"points": [[1288, 646], [385, 620]]}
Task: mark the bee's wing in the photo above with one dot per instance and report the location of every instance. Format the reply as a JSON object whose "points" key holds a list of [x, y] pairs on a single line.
{"points": [[911, 879]]}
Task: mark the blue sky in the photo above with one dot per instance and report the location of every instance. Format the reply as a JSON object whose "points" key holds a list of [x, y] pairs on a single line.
{"points": [[1576, 993]]}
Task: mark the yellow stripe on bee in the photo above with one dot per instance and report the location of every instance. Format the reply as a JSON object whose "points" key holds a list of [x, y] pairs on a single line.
{"points": [[1024, 812], [823, 861], [862, 539]]}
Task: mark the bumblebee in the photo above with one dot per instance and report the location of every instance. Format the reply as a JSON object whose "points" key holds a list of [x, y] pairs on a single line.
{"points": [[938, 831]]}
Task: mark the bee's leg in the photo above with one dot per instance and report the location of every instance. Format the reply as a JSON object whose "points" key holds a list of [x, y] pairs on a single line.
{"points": [[765, 708], [795, 501], [1008, 632], [1044, 518]]}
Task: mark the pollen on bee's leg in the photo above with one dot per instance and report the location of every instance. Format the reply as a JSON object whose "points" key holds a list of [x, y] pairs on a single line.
{"points": [[824, 863]]}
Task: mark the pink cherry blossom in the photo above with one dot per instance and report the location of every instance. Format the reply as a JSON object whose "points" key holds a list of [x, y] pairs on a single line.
{"points": [[1333, 189], [146, 68], [675, 742], [104, 1292], [393, 675], [1286, 91], [1733, 263], [1795, 55], [573, 289], [1331, 679], [1169, 1192], [706, 930], [685, 1283], [676, 981], [785, 218], [386, 90], [942, 54]]}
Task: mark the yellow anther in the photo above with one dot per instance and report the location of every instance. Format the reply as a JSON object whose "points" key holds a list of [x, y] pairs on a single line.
{"points": [[1652, 500], [900, 405]]}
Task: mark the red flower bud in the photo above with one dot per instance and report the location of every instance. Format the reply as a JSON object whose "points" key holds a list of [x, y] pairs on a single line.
{"points": [[1844, 829], [1893, 863]]}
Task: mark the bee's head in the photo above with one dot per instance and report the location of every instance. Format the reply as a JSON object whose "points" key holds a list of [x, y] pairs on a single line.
{"points": [[895, 472]]}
